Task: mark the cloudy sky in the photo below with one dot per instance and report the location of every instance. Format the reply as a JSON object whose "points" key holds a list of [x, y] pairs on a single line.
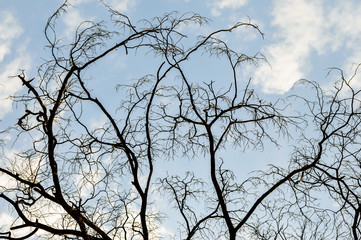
{"points": [[302, 38]]}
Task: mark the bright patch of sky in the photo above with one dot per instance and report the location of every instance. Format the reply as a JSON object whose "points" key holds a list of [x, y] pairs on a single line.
{"points": [[9, 66], [305, 30], [218, 6]]}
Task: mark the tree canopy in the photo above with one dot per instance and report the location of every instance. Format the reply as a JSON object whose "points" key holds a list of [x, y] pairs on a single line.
{"points": [[72, 177]]}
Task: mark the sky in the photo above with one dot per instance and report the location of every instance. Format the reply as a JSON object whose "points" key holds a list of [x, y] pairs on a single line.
{"points": [[302, 38]]}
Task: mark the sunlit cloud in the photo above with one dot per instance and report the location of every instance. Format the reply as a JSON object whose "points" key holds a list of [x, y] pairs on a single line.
{"points": [[122, 5], [10, 30], [8, 86], [72, 21], [299, 36], [78, 2], [6, 182], [322, 30], [6, 220], [218, 6], [345, 21]]}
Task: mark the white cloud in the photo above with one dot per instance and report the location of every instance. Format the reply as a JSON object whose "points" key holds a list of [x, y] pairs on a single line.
{"points": [[218, 6], [345, 20], [323, 29], [122, 5], [72, 21], [6, 220], [8, 86], [299, 35], [6, 182], [10, 30], [78, 2]]}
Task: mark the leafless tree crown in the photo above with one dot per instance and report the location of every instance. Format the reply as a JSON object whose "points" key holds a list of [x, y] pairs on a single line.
{"points": [[71, 178]]}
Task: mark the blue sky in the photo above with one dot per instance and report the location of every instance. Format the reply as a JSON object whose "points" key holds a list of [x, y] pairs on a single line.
{"points": [[302, 39]]}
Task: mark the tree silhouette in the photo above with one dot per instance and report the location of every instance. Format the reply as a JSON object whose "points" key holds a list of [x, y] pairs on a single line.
{"points": [[74, 180]]}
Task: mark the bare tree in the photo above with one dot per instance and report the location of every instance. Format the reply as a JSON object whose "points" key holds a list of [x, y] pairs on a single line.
{"points": [[74, 180]]}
